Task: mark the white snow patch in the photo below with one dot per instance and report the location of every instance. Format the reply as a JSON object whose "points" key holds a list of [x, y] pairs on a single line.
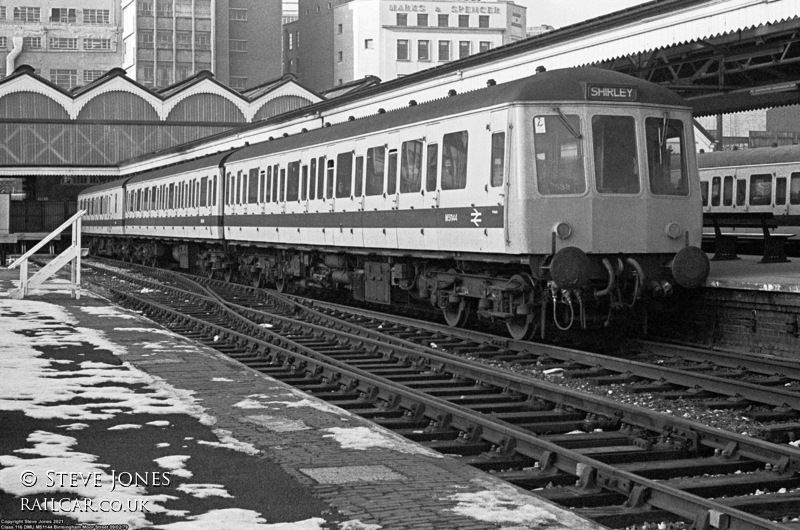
{"points": [[201, 491], [159, 423], [229, 442], [107, 311], [503, 504], [262, 401], [176, 464], [222, 379], [362, 438], [237, 519], [74, 426], [124, 426], [145, 330], [163, 444], [355, 524]]}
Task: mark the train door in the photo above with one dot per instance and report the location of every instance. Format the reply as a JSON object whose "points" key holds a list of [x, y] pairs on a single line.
{"points": [[496, 166], [431, 194], [410, 204], [380, 163], [794, 194]]}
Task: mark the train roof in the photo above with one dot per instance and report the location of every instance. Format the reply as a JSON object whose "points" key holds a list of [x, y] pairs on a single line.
{"points": [[750, 157], [205, 162], [116, 183], [569, 85]]}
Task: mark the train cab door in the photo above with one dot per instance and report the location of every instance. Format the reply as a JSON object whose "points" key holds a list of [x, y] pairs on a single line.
{"points": [[794, 194], [496, 166]]}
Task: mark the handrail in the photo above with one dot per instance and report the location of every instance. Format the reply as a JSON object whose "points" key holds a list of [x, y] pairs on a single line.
{"points": [[46, 240]]}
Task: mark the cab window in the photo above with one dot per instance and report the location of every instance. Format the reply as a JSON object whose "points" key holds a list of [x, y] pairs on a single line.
{"points": [[794, 189], [558, 149], [666, 158], [616, 166]]}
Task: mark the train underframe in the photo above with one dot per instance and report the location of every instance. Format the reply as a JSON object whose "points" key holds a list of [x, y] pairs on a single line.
{"points": [[531, 295]]}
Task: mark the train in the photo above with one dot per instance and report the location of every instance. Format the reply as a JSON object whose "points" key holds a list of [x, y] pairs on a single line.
{"points": [[552, 202], [763, 180]]}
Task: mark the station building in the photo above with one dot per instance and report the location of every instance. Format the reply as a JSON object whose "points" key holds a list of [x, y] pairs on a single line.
{"points": [[333, 43]]}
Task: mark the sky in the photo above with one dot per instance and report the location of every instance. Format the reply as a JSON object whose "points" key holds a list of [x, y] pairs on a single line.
{"points": [[560, 13]]}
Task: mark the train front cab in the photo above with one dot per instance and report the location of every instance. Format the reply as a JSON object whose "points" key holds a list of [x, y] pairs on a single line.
{"points": [[610, 200]]}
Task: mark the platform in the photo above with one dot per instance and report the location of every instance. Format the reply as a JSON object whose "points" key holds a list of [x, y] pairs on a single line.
{"points": [[109, 419], [747, 273]]}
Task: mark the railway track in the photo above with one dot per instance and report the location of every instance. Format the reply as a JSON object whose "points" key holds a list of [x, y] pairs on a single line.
{"points": [[615, 463]]}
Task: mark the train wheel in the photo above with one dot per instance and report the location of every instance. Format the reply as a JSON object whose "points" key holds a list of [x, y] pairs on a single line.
{"points": [[523, 326], [458, 314], [257, 279]]}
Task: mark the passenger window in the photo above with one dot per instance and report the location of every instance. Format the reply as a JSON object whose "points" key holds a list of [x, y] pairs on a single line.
{"points": [[268, 197], [559, 155], [666, 158], [616, 166], [304, 183], [282, 188], [715, 189], [238, 198], [780, 191], [433, 167], [741, 192], [171, 203], [312, 185], [252, 186], [727, 191], [262, 184], [292, 181], [498, 158], [704, 192], [214, 191], [761, 190], [411, 166], [359, 186], [794, 189], [344, 175], [329, 184], [391, 184], [275, 182], [454, 160], [204, 191], [321, 178], [376, 165]]}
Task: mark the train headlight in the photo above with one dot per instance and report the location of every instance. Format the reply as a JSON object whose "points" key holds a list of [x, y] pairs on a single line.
{"points": [[563, 230], [673, 230]]}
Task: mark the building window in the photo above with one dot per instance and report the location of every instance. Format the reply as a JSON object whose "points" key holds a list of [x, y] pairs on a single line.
{"points": [[463, 21], [238, 83], [96, 16], [424, 50], [444, 50], [444, 21], [402, 19], [32, 43], [163, 76], [164, 39], [339, 57], [96, 44], [202, 40], [290, 40], [144, 9], [164, 9], [422, 20], [62, 43], [368, 44], [464, 47], [145, 39], [339, 29], [483, 21], [27, 14], [3, 43], [92, 75], [402, 50], [238, 14], [184, 8], [62, 14], [146, 74], [2, 12], [64, 78], [184, 71], [484, 46], [238, 45], [183, 40]]}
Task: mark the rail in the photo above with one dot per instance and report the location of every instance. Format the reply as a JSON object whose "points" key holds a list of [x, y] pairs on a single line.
{"points": [[71, 255]]}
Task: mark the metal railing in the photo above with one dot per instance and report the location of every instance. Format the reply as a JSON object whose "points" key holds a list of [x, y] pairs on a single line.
{"points": [[71, 255]]}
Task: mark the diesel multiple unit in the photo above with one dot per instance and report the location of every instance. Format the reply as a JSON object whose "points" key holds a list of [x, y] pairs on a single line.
{"points": [[552, 200]]}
